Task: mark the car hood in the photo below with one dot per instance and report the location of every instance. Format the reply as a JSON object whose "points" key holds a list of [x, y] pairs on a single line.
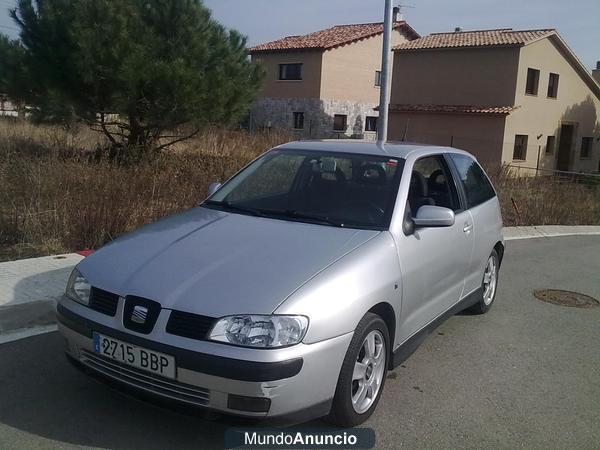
{"points": [[216, 263]]}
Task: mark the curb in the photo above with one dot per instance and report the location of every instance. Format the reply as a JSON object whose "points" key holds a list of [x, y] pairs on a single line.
{"points": [[549, 231], [24, 333], [30, 315]]}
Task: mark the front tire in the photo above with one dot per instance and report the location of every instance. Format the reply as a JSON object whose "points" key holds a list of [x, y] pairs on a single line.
{"points": [[489, 285], [363, 373]]}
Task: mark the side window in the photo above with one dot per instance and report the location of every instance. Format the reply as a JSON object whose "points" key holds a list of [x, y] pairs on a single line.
{"points": [[477, 186], [290, 72], [533, 80], [431, 184], [340, 122]]}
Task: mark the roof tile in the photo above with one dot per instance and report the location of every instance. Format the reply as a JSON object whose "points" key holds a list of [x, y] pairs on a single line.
{"points": [[331, 37], [479, 38]]}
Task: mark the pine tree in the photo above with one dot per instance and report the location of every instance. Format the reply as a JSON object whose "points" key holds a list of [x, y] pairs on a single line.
{"points": [[145, 73]]}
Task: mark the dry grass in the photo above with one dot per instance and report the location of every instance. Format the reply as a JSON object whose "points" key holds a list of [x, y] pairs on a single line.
{"points": [[56, 197], [547, 200]]}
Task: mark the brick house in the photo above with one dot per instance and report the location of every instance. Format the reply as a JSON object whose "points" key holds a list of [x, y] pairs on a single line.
{"points": [[516, 97], [324, 84]]}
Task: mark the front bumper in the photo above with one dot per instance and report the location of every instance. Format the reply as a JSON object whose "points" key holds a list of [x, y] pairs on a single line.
{"points": [[296, 382]]}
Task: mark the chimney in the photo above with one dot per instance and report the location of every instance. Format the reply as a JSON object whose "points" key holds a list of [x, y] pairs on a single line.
{"points": [[397, 17], [458, 29], [596, 72]]}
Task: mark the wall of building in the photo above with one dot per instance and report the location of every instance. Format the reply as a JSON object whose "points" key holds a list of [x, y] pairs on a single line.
{"points": [[308, 87], [318, 117], [456, 77], [349, 71], [480, 135], [337, 81], [540, 116]]}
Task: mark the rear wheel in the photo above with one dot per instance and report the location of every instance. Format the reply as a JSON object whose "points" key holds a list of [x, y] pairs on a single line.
{"points": [[363, 373], [489, 285]]}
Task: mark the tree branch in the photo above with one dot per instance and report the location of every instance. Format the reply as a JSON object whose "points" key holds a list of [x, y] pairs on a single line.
{"points": [[180, 139]]}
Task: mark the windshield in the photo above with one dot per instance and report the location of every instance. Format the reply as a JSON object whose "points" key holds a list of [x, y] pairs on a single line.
{"points": [[335, 189]]}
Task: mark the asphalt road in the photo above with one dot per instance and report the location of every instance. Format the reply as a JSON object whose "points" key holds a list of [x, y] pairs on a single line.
{"points": [[526, 375]]}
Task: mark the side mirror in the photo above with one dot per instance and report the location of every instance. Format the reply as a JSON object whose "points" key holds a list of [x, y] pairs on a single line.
{"points": [[434, 216], [213, 187]]}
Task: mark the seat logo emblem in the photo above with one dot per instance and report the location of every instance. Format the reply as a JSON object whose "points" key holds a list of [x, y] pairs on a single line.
{"points": [[139, 314]]}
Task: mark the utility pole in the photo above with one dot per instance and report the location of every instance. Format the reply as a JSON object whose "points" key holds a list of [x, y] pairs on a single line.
{"points": [[386, 69]]}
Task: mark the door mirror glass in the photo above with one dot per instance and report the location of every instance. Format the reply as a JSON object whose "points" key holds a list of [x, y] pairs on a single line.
{"points": [[213, 187], [434, 216]]}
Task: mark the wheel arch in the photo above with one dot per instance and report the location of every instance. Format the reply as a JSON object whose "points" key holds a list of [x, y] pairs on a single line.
{"points": [[388, 315], [499, 247]]}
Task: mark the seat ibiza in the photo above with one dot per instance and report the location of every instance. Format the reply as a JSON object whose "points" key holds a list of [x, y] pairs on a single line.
{"points": [[296, 285]]}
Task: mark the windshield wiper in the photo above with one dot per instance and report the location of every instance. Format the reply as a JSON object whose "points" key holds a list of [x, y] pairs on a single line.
{"points": [[268, 212], [302, 216], [235, 208]]}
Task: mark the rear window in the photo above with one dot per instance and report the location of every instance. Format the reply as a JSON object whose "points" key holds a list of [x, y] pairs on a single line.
{"points": [[477, 185]]}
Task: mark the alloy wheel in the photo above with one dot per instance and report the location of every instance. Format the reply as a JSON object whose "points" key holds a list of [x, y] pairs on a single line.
{"points": [[490, 279], [369, 370]]}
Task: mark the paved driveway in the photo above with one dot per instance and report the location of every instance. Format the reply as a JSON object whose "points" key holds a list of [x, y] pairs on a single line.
{"points": [[527, 375]]}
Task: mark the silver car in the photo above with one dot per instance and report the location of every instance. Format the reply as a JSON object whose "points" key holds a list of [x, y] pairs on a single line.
{"points": [[293, 289]]}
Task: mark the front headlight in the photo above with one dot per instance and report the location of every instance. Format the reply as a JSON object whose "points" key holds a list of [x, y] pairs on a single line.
{"points": [[260, 331], [78, 288]]}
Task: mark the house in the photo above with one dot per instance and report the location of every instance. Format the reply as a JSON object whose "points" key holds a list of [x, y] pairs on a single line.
{"points": [[7, 108], [510, 97], [596, 72], [324, 84]]}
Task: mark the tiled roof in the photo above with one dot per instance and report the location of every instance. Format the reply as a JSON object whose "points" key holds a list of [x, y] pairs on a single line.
{"points": [[480, 38], [331, 37], [458, 109]]}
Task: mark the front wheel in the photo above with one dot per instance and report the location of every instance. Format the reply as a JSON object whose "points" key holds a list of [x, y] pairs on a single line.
{"points": [[363, 373], [489, 285]]}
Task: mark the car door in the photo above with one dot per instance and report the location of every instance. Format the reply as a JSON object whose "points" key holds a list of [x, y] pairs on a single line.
{"points": [[434, 261], [482, 203]]}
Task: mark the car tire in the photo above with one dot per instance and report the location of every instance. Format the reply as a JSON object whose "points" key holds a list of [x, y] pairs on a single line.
{"points": [[489, 285], [357, 392]]}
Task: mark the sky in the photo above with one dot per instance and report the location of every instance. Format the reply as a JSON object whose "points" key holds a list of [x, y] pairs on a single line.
{"points": [[577, 21]]}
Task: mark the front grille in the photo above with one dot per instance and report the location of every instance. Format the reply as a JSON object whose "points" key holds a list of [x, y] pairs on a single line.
{"points": [[143, 321], [146, 381], [104, 302], [189, 325]]}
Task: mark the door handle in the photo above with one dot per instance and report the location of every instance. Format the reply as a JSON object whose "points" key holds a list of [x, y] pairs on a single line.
{"points": [[468, 227]]}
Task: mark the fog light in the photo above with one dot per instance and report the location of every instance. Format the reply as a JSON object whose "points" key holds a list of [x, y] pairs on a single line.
{"points": [[248, 404]]}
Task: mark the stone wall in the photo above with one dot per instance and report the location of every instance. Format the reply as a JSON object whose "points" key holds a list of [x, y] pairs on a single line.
{"points": [[318, 117]]}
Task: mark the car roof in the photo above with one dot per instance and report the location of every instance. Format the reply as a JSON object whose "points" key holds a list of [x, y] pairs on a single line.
{"points": [[394, 149]]}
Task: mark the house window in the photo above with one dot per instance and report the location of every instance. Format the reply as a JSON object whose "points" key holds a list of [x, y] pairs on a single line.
{"points": [[586, 147], [299, 120], [340, 122], [290, 71], [371, 123], [553, 85], [550, 141], [520, 151], [533, 80], [378, 78]]}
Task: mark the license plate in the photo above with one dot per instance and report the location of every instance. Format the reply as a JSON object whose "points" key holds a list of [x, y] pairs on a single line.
{"points": [[132, 355]]}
